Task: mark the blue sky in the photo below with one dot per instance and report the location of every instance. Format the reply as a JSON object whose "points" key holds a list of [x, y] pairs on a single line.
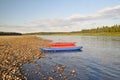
{"points": [[57, 15]]}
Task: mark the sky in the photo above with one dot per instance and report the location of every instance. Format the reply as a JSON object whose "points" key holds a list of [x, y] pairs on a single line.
{"points": [[57, 15]]}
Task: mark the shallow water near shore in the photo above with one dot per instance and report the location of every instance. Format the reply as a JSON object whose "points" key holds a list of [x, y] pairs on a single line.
{"points": [[98, 60]]}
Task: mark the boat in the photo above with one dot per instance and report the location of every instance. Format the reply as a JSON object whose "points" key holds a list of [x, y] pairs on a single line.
{"points": [[57, 44], [62, 46], [75, 48]]}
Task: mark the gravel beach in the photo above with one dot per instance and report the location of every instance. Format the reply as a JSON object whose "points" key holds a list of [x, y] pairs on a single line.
{"points": [[16, 51]]}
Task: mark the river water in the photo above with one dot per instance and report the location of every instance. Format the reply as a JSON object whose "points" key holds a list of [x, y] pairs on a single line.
{"points": [[98, 60]]}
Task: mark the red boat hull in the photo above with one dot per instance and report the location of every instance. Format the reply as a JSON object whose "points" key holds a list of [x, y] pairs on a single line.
{"points": [[63, 44]]}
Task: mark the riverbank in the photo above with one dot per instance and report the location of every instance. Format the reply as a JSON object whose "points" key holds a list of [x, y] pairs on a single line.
{"points": [[98, 34], [78, 34], [99, 31], [16, 51]]}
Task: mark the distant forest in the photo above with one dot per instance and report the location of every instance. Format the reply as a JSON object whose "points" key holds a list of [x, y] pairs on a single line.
{"points": [[9, 33], [114, 28], [104, 29]]}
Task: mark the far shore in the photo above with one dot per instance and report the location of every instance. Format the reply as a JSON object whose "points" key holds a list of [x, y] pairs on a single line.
{"points": [[78, 34], [99, 31], [16, 51]]}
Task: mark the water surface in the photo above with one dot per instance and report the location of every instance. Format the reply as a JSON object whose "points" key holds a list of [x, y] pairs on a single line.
{"points": [[98, 60]]}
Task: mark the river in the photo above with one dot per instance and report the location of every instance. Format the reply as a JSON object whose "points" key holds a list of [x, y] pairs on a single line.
{"points": [[98, 60]]}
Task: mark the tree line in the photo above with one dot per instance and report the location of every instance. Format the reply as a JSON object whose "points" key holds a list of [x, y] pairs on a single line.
{"points": [[106, 29], [10, 33], [114, 28]]}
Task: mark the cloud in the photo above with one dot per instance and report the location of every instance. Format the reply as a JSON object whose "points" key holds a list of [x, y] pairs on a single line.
{"points": [[51, 24], [110, 12], [71, 23]]}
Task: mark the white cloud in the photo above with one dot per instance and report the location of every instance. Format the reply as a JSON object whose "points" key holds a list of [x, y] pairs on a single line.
{"points": [[71, 23], [101, 14]]}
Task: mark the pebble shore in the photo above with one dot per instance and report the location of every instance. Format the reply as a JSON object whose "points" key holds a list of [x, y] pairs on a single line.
{"points": [[16, 51]]}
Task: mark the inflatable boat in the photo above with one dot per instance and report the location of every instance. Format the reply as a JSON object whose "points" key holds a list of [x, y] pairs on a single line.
{"points": [[57, 44], [75, 48]]}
